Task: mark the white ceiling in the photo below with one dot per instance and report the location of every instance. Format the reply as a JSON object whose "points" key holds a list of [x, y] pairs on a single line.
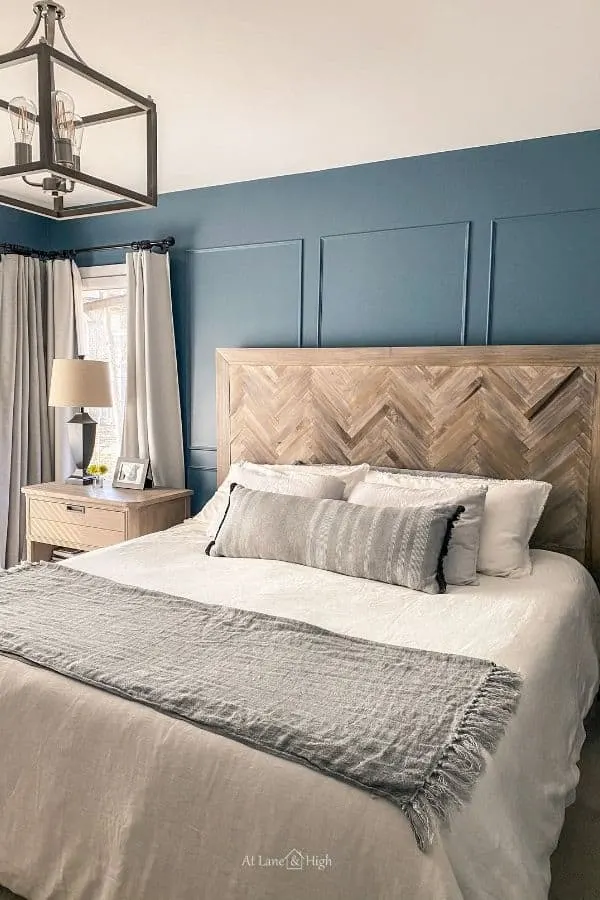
{"points": [[254, 88]]}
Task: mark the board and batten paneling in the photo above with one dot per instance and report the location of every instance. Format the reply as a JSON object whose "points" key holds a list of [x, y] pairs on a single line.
{"points": [[409, 282], [233, 299], [375, 254], [536, 259]]}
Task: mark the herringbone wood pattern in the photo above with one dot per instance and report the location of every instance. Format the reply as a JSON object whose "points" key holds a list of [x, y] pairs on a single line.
{"points": [[509, 421]]}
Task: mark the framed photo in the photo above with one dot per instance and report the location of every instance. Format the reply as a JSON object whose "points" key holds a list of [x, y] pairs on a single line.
{"points": [[131, 473]]}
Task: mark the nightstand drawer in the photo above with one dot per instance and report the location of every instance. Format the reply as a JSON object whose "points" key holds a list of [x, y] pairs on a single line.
{"points": [[87, 517], [73, 512], [77, 537]]}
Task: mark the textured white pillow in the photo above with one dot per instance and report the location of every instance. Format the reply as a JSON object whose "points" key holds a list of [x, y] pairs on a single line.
{"points": [[276, 480], [512, 510], [460, 563], [350, 475]]}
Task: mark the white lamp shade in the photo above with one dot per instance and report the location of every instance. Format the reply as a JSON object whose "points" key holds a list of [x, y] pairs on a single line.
{"points": [[80, 382]]}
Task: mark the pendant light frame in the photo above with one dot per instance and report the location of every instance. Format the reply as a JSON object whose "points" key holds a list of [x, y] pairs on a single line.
{"points": [[45, 57]]}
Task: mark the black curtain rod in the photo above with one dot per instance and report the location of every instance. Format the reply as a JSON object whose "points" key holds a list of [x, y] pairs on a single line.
{"points": [[30, 251], [161, 245]]}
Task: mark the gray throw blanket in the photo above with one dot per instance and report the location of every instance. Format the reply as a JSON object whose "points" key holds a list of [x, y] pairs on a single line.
{"points": [[407, 725]]}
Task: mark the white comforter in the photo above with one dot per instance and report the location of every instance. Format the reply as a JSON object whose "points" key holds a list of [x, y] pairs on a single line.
{"points": [[542, 626]]}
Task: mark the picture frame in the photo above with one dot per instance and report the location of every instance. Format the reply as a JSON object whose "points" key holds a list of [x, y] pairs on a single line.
{"points": [[131, 473]]}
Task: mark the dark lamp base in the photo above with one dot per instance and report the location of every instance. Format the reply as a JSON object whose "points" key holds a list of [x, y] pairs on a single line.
{"points": [[82, 436]]}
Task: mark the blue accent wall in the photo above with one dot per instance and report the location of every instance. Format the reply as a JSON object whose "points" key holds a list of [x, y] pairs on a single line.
{"points": [[496, 244], [23, 228]]}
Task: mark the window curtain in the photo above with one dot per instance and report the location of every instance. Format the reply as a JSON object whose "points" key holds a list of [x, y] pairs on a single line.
{"points": [[37, 322], [152, 420], [65, 338], [25, 456]]}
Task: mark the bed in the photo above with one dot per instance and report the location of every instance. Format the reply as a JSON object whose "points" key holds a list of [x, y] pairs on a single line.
{"points": [[102, 798]]}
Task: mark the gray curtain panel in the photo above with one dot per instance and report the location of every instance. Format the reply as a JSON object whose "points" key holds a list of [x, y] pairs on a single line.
{"points": [[25, 456], [39, 307], [65, 337], [152, 421]]}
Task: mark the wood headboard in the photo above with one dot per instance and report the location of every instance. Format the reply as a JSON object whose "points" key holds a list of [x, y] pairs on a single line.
{"points": [[510, 412]]}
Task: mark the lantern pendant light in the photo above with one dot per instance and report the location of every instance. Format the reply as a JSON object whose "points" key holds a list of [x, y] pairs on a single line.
{"points": [[48, 136]]}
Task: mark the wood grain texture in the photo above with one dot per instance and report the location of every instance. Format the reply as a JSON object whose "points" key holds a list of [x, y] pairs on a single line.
{"points": [[77, 514], [85, 517], [76, 537], [105, 496], [507, 412]]}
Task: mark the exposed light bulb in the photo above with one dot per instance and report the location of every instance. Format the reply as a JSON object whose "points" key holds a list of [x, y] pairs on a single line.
{"points": [[23, 118], [63, 114], [77, 140]]}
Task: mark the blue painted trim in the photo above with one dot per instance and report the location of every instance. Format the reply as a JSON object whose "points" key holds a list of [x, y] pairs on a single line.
{"points": [[320, 297], [552, 212], [490, 290], [297, 241], [301, 294], [441, 224], [205, 459], [187, 363], [202, 468], [466, 263], [466, 284], [492, 249], [219, 247]]}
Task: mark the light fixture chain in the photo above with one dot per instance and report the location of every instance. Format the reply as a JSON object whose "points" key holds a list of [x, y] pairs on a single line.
{"points": [[52, 13], [68, 42], [32, 33]]}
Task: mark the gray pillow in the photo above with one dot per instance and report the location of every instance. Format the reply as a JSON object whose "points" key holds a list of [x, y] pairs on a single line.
{"points": [[396, 546], [460, 564]]}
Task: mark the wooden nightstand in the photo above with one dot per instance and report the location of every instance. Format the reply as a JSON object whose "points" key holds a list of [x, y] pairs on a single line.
{"points": [[85, 518]]}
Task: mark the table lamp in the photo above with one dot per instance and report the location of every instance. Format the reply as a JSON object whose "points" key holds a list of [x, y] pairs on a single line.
{"points": [[80, 382]]}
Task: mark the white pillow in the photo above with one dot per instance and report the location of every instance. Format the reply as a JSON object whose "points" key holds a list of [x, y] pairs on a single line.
{"points": [[350, 475], [275, 480], [512, 510], [460, 562]]}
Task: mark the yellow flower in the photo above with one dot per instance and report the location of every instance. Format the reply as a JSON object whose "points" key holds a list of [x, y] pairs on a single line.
{"points": [[100, 469]]}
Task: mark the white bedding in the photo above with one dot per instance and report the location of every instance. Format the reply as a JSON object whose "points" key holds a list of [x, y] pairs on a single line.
{"points": [[543, 626]]}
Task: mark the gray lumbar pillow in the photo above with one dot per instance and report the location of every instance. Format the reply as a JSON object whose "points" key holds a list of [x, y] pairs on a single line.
{"points": [[397, 546], [460, 563]]}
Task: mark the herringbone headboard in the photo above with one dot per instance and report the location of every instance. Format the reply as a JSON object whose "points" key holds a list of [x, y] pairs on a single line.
{"points": [[510, 412]]}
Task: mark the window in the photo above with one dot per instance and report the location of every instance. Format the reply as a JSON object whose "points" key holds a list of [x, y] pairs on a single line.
{"points": [[105, 318]]}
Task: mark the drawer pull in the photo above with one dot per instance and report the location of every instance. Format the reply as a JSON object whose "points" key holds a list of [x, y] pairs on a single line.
{"points": [[71, 507]]}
